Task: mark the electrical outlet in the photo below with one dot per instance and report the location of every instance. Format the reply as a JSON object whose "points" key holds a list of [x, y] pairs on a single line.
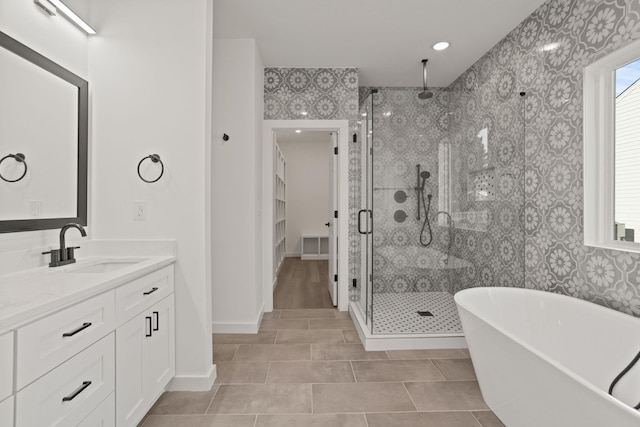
{"points": [[36, 207], [139, 210]]}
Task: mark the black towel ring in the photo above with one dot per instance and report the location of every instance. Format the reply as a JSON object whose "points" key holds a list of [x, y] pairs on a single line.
{"points": [[20, 158], [155, 159]]}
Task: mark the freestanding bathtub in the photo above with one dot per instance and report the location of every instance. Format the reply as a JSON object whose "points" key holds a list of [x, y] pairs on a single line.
{"points": [[547, 360]]}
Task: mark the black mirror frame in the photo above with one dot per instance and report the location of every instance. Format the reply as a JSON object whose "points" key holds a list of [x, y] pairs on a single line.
{"points": [[41, 61]]}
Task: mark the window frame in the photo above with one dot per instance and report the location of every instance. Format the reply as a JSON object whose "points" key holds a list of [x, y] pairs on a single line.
{"points": [[599, 149]]}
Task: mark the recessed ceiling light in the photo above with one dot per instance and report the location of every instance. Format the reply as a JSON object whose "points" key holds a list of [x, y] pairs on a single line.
{"points": [[298, 131], [441, 46]]}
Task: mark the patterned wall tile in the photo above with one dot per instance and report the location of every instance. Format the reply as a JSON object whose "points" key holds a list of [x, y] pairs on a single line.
{"points": [[545, 56], [310, 93]]}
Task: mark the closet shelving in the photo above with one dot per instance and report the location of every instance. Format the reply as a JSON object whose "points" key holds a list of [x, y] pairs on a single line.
{"points": [[280, 232]]}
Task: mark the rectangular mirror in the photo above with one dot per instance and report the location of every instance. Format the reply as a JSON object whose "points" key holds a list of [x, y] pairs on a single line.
{"points": [[43, 141]]}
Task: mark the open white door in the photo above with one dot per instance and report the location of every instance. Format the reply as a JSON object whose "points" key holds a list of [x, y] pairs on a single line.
{"points": [[333, 222]]}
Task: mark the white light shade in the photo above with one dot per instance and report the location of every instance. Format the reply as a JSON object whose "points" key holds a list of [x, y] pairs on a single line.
{"points": [[72, 16], [46, 6], [441, 46]]}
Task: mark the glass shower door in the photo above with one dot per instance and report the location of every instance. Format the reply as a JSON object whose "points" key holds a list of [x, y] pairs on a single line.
{"points": [[364, 202]]}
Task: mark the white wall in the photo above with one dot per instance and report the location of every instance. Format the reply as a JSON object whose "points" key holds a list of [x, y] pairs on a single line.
{"points": [[148, 77], [63, 43], [237, 186], [307, 189]]}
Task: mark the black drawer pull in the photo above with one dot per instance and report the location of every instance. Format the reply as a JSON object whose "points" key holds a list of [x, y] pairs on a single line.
{"points": [[150, 328], [75, 331], [157, 316], [79, 390], [151, 291]]}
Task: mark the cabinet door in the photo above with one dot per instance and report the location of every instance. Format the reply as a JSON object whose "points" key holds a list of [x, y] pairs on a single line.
{"points": [[131, 339], [159, 360], [6, 412]]}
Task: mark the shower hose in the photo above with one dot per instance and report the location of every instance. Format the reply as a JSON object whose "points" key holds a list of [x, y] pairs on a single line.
{"points": [[426, 223]]}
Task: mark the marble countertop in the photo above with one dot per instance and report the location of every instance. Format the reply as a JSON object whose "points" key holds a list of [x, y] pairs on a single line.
{"points": [[30, 294]]}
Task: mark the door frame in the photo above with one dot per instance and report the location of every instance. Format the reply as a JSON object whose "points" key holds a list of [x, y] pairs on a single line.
{"points": [[342, 129]]}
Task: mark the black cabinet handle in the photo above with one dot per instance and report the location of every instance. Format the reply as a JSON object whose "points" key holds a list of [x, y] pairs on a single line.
{"points": [[157, 316], [150, 328], [77, 391], [79, 329], [151, 291]]}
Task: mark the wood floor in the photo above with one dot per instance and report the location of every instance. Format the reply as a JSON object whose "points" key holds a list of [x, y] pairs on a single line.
{"points": [[302, 284]]}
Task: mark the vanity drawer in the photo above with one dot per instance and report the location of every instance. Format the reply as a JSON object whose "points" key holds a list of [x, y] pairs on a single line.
{"points": [[138, 295], [46, 343], [103, 416], [6, 365], [6, 412], [69, 393]]}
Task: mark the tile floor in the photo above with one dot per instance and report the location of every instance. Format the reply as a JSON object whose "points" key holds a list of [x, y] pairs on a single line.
{"points": [[306, 367]]}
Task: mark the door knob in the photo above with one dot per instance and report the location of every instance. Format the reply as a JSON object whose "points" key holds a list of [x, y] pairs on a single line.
{"points": [[327, 224]]}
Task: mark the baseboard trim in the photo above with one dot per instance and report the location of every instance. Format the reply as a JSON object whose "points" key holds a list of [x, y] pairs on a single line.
{"points": [[192, 382], [238, 327]]}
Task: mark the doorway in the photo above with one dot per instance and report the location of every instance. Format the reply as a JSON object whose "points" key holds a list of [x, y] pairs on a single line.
{"points": [[339, 224], [305, 235]]}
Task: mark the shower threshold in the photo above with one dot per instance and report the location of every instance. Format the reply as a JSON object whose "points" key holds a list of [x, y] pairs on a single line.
{"points": [[398, 341]]}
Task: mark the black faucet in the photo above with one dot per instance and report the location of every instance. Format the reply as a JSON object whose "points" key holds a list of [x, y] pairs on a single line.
{"points": [[64, 255]]}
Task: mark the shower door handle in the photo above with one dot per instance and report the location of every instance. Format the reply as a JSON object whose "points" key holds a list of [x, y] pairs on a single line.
{"points": [[360, 221]]}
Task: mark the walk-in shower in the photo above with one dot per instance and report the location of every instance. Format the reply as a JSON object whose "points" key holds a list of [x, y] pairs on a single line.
{"points": [[440, 203]]}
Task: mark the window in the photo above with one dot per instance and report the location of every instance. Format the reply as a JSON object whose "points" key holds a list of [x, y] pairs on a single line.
{"points": [[612, 150]]}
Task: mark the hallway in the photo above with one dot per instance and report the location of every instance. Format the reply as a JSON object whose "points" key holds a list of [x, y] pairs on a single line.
{"points": [[302, 284]]}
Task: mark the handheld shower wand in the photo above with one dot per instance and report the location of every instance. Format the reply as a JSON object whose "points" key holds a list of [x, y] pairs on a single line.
{"points": [[422, 179]]}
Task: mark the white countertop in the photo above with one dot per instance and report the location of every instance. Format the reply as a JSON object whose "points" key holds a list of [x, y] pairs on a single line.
{"points": [[30, 294]]}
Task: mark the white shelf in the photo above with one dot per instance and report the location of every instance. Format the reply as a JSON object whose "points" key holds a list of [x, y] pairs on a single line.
{"points": [[314, 246], [279, 211]]}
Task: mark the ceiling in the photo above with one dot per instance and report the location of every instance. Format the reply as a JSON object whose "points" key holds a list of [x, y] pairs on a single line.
{"points": [[384, 39]]}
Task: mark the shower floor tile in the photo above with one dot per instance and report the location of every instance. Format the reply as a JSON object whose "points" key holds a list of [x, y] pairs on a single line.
{"points": [[397, 313]]}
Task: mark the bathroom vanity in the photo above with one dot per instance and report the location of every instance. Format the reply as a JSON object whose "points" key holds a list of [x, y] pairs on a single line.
{"points": [[87, 344]]}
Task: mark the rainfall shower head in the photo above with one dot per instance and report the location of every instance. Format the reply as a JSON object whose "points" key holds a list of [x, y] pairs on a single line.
{"points": [[425, 94]]}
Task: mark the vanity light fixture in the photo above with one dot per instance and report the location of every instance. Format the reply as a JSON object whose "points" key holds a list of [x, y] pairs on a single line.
{"points": [[72, 16], [46, 6], [440, 46]]}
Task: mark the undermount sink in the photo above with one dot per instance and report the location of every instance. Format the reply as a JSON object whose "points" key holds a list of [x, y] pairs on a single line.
{"points": [[104, 267]]}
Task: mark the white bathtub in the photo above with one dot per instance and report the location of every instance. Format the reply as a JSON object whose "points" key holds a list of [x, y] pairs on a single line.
{"points": [[547, 360]]}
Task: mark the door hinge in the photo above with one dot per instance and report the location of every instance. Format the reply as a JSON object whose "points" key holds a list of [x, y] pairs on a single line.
{"points": [[335, 150], [335, 213], [355, 137], [335, 277], [355, 283]]}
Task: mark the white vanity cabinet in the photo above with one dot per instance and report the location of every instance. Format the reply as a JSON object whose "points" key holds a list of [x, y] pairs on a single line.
{"points": [[102, 360], [145, 356], [6, 380], [6, 412]]}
